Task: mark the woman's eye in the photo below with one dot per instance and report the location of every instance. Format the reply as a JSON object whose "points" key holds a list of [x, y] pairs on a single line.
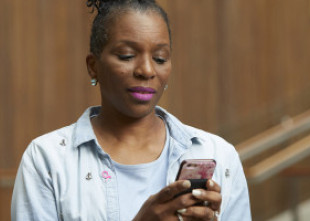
{"points": [[125, 57], [159, 60]]}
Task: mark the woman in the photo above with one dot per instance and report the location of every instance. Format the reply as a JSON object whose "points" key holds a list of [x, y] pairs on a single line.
{"points": [[119, 161]]}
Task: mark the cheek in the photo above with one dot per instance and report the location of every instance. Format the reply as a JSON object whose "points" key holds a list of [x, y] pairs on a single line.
{"points": [[125, 70], [115, 73], [164, 73], [121, 74]]}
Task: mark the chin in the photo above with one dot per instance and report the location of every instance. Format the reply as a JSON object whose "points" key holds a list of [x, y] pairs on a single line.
{"points": [[139, 111], [130, 108]]}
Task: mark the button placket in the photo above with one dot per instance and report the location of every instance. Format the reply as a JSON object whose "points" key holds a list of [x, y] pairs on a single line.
{"points": [[108, 176]]}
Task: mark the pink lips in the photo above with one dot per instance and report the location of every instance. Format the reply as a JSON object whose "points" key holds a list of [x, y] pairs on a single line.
{"points": [[142, 93]]}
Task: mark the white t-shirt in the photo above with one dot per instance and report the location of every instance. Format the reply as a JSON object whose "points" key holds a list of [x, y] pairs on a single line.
{"points": [[132, 194]]}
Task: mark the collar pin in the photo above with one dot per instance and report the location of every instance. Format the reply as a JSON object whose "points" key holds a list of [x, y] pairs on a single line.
{"points": [[63, 143], [227, 173], [89, 176]]}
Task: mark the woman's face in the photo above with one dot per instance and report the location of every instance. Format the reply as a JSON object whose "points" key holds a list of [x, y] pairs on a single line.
{"points": [[134, 65]]}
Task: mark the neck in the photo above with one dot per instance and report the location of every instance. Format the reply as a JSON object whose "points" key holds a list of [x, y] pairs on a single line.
{"points": [[120, 127], [130, 140]]}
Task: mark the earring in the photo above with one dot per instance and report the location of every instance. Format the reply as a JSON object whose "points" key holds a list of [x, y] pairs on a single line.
{"points": [[93, 81], [166, 87]]}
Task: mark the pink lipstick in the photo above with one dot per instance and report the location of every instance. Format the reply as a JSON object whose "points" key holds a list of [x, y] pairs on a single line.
{"points": [[142, 93]]}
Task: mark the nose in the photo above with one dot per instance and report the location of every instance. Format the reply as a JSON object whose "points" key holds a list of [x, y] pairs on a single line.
{"points": [[145, 69]]}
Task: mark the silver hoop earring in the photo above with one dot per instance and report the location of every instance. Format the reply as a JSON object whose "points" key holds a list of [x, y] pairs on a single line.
{"points": [[166, 87], [93, 81]]}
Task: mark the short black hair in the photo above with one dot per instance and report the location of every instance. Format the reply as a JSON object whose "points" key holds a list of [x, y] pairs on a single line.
{"points": [[108, 9]]}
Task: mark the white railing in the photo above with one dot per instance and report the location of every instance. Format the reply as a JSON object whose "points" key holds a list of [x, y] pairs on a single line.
{"points": [[279, 161], [284, 158], [289, 127]]}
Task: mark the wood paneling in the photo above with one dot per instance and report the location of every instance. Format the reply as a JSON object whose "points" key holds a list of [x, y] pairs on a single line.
{"points": [[193, 85], [239, 66], [44, 82], [5, 206], [6, 189]]}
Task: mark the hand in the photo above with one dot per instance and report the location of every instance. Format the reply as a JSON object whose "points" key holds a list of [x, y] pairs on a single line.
{"points": [[212, 199], [163, 205]]}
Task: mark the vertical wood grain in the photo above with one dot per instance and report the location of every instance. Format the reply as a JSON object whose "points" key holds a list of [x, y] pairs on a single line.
{"points": [[193, 84]]}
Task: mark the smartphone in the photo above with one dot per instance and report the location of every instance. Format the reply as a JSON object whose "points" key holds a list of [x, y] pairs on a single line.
{"points": [[197, 171]]}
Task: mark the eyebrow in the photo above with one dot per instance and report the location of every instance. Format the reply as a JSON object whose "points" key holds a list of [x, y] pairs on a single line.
{"points": [[133, 43]]}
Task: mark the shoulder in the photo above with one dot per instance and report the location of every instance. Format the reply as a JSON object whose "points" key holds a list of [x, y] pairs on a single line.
{"points": [[48, 149], [210, 141], [55, 138], [74, 134]]}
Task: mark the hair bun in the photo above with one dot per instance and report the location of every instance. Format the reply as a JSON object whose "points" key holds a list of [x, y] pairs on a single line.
{"points": [[144, 1], [100, 4], [94, 4], [97, 4]]}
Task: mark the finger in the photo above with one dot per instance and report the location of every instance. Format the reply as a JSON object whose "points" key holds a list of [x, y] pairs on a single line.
{"points": [[170, 191], [213, 198], [213, 186], [183, 201], [198, 212]]}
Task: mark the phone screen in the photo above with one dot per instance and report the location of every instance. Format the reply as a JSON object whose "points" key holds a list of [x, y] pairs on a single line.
{"points": [[197, 171]]}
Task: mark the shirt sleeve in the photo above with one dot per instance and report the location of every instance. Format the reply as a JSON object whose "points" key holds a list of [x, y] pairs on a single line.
{"points": [[33, 196], [238, 206]]}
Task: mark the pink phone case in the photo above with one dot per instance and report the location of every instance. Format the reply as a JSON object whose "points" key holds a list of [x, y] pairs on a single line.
{"points": [[196, 169]]}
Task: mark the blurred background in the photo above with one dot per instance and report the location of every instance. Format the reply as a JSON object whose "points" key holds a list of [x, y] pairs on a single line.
{"points": [[241, 70]]}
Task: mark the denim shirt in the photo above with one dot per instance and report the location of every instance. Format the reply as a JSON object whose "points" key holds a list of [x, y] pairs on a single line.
{"points": [[65, 174]]}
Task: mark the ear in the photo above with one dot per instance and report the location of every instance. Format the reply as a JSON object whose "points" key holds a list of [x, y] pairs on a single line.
{"points": [[91, 62]]}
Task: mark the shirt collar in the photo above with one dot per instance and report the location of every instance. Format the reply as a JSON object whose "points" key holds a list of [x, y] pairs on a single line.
{"points": [[83, 130], [178, 131]]}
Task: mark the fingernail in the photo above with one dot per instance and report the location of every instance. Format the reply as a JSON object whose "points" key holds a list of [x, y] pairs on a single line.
{"points": [[211, 183], [181, 210], [196, 192], [186, 184]]}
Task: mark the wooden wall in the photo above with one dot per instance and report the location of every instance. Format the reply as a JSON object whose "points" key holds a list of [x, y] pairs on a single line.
{"points": [[239, 67]]}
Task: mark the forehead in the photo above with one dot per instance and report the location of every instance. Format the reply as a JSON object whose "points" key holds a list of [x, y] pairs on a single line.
{"points": [[139, 26]]}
